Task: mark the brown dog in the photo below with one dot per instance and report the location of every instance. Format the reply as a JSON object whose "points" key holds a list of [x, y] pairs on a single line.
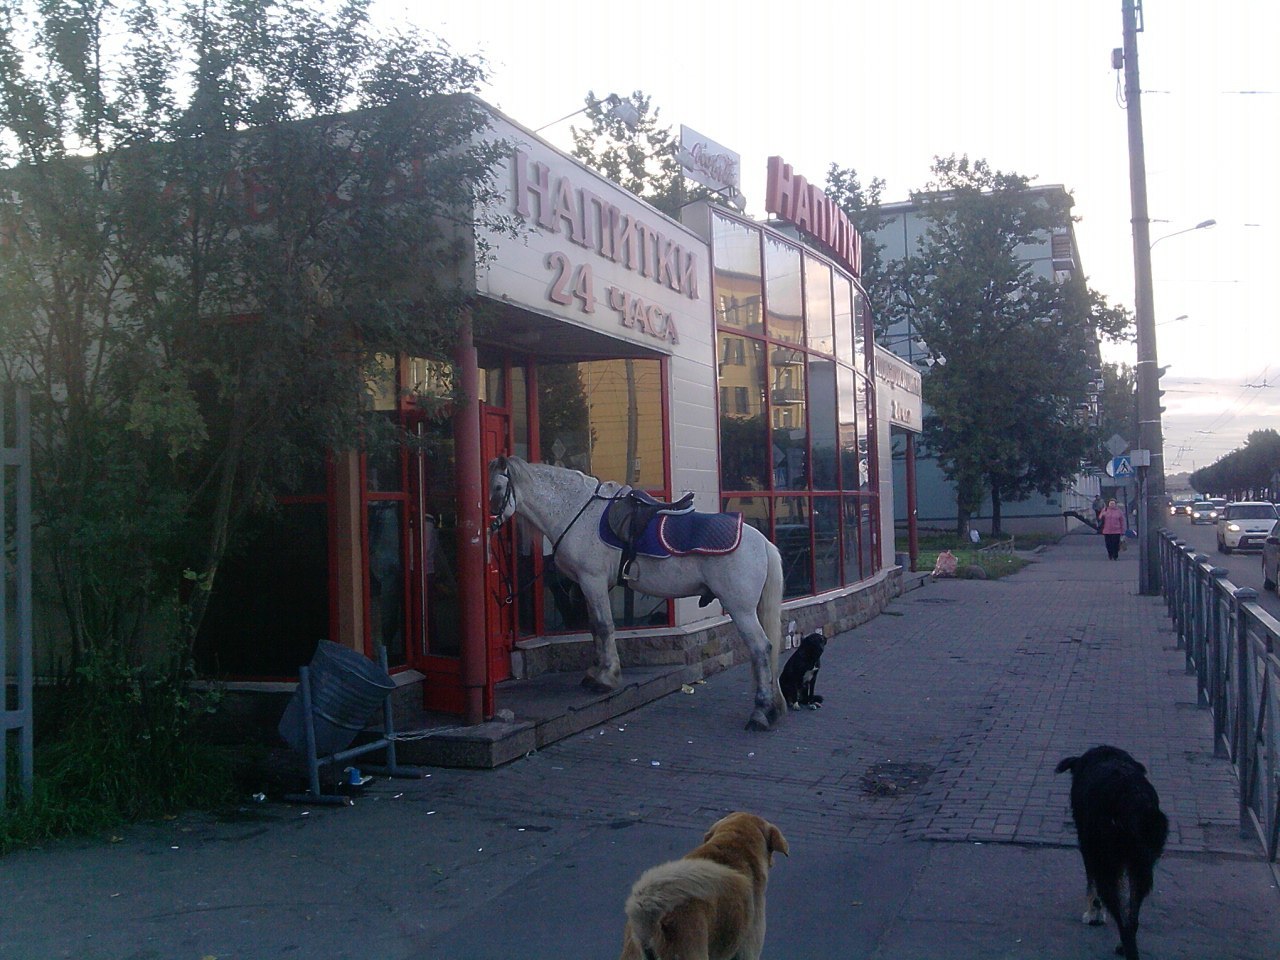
{"points": [[709, 905]]}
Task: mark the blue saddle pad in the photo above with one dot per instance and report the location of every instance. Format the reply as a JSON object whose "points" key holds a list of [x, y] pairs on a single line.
{"points": [[679, 534]]}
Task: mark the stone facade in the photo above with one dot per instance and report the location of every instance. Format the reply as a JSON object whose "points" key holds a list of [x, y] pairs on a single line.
{"points": [[712, 645]]}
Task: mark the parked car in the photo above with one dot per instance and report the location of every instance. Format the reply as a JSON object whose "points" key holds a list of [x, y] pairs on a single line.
{"points": [[1271, 558], [1245, 524], [1180, 508], [1202, 511]]}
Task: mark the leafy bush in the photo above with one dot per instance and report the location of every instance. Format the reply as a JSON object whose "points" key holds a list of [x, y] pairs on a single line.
{"points": [[122, 744]]}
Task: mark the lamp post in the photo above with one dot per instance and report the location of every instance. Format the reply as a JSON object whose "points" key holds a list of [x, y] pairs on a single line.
{"points": [[623, 109], [1202, 225], [1150, 478]]}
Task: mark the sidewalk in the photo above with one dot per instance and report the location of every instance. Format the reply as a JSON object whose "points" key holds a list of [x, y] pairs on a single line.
{"points": [[923, 813]]}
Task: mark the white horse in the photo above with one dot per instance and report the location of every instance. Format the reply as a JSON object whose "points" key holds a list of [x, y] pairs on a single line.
{"points": [[565, 506]]}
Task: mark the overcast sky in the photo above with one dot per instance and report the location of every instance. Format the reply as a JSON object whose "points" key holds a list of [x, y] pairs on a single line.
{"points": [[883, 87]]}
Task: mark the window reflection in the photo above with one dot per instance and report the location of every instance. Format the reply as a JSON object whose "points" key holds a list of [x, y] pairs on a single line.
{"points": [[844, 314], [782, 290], [826, 543], [737, 275], [822, 422], [846, 407], [818, 305], [791, 534], [744, 441], [849, 540], [754, 510], [795, 414], [790, 429], [386, 578], [861, 396], [604, 417]]}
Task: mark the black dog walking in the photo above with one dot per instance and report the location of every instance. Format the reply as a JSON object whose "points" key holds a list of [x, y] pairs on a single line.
{"points": [[1122, 833]]}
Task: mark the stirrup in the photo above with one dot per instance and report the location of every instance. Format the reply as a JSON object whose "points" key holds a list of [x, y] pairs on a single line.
{"points": [[630, 570]]}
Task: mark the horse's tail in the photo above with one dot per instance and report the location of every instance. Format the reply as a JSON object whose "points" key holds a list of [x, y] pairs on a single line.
{"points": [[769, 608]]}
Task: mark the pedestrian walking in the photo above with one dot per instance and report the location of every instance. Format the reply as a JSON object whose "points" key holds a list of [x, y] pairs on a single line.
{"points": [[1098, 506], [1111, 523]]}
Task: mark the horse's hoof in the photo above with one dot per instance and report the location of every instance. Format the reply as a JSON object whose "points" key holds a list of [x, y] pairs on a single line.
{"points": [[758, 721]]}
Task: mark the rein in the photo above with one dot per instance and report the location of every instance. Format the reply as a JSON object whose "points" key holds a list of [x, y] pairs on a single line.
{"points": [[507, 582]]}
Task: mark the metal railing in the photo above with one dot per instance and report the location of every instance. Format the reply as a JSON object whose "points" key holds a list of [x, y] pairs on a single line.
{"points": [[1000, 546], [15, 618], [1232, 645]]}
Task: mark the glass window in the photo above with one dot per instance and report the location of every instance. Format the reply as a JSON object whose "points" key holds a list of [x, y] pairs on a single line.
{"points": [[826, 543], [493, 387], [738, 275], [846, 388], [861, 324], [862, 399], [790, 435], [444, 639], [869, 529], [604, 417], [791, 534], [754, 510], [818, 305], [849, 539], [519, 414], [782, 291], [386, 578], [844, 314], [744, 437], [384, 454], [822, 422], [441, 539]]}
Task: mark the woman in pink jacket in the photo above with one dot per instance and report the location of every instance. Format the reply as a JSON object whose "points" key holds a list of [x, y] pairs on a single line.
{"points": [[1112, 528]]}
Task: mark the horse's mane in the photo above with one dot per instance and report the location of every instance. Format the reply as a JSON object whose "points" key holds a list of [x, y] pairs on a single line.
{"points": [[562, 476]]}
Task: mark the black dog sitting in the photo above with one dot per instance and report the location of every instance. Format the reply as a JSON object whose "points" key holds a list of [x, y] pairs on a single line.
{"points": [[1121, 831], [801, 673]]}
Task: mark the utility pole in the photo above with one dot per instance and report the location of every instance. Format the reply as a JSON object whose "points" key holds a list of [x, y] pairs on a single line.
{"points": [[1150, 434]]}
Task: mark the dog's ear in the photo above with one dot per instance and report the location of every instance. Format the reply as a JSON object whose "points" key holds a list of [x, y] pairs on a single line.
{"points": [[775, 842]]}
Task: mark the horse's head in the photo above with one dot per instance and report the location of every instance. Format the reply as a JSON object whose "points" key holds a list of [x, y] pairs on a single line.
{"points": [[502, 496]]}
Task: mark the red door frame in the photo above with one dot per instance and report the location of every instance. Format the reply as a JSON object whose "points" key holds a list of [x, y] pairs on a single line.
{"points": [[500, 620]]}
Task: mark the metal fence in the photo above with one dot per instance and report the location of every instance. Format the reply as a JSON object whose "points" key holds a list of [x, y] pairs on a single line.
{"points": [[1232, 645], [15, 606], [1000, 546]]}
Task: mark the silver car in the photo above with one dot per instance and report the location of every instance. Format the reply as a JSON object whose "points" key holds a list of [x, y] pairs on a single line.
{"points": [[1202, 511]]}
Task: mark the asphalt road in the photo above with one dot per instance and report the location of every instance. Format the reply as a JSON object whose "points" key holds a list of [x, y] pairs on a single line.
{"points": [[1244, 569]]}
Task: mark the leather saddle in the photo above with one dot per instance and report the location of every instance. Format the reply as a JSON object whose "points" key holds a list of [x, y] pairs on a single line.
{"points": [[629, 516]]}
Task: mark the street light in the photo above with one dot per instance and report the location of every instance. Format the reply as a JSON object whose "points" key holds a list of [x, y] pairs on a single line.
{"points": [[622, 109], [1202, 225]]}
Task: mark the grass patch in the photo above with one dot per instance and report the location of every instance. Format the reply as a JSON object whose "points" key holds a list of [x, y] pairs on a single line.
{"points": [[993, 563]]}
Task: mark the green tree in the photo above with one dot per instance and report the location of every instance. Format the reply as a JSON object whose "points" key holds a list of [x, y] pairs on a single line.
{"points": [[1019, 349], [633, 149], [1117, 409], [216, 217], [1244, 474], [862, 206]]}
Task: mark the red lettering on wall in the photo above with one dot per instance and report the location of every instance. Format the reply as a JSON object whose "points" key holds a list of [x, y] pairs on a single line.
{"points": [[789, 197]]}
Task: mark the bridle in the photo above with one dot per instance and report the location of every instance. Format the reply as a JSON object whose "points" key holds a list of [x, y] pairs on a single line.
{"points": [[507, 509]]}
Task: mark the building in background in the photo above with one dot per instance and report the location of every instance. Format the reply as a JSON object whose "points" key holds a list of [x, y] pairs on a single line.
{"points": [[1055, 257]]}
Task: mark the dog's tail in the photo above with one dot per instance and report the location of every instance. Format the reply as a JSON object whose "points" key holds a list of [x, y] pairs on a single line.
{"points": [[662, 888], [1065, 764]]}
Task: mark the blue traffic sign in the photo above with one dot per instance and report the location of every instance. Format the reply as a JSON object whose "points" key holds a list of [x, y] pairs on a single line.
{"points": [[1120, 467]]}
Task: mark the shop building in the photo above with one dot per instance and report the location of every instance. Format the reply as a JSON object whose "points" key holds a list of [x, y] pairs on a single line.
{"points": [[718, 355]]}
